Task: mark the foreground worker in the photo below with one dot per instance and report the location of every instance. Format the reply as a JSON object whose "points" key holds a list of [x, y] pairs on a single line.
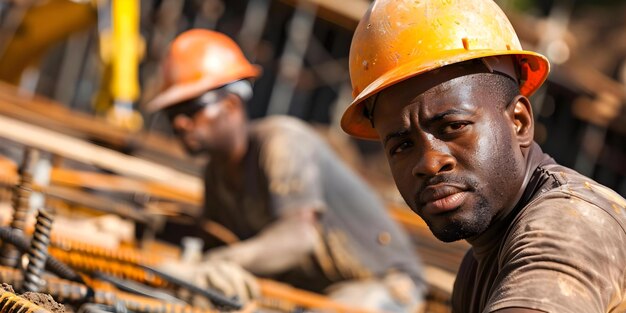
{"points": [[301, 215], [444, 86]]}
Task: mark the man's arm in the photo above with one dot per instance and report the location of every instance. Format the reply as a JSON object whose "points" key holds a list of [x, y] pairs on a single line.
{"points": [[296, 196], [277, 248]]}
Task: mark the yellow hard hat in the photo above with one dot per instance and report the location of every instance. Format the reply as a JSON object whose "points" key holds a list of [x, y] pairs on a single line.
{"points": [[400, 39], [200, 60]]}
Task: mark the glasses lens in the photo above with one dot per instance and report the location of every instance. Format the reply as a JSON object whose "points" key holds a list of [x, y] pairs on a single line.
{"points": [[188, 108], [192, 106]]}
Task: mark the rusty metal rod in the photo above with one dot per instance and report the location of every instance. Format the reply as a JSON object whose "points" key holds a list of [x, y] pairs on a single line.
{"points": [[122, 254], [9, 254], [38, 252], [65, 290], [17, 239]]}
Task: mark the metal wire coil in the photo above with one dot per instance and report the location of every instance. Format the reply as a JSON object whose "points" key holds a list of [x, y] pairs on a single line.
{"points": [[38, 252]]}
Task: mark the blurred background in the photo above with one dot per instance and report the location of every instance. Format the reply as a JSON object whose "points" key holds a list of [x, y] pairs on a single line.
{"points": [[85, 69], [101, 59]]}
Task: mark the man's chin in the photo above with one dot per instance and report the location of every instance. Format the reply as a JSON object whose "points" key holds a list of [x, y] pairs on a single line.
{"points": [[457, 227], [452, 233], [472, 218]]}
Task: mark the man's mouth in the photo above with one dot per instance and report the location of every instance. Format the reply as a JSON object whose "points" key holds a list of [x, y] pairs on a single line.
{"points": [[442, 198]]}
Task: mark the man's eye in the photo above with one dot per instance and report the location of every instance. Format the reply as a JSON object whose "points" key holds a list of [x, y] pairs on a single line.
{"points": [[400, 147], [454, 127]]}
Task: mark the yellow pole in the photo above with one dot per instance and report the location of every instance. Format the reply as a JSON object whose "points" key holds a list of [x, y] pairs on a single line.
{"points": [[125, 55]]}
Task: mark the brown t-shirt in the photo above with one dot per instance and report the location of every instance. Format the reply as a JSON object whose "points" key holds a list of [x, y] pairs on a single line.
{"points": [[562, 249], [288, 167]]}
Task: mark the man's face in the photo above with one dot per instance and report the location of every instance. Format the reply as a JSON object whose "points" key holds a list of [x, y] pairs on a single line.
{"points": [[453, 151], [202, 123]]}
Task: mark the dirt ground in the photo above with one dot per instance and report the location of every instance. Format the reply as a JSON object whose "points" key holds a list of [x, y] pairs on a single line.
{"points": [[43, 300]]}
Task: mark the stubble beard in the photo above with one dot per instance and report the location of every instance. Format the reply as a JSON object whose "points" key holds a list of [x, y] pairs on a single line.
{"points": [[483, 211], [461, 228]]}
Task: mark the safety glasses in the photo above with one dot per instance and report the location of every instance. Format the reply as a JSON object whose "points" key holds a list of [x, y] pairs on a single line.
{"points": [[192, 106]]}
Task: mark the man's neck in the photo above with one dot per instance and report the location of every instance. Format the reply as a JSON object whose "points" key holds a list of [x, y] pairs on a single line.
{"points": [[239, 145], [530, 165], [233, 158], [533, 158]]}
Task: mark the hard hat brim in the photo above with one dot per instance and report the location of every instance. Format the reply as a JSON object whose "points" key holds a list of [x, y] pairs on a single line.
{"points": [[355, 123], [180, 92]]}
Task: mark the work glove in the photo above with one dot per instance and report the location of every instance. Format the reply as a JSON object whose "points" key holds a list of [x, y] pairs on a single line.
{"points": [[231, 279], [224, 276]]}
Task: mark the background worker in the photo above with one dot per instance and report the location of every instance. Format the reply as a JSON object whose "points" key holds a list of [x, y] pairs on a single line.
{"points": [[444, 86], [302, 216]]}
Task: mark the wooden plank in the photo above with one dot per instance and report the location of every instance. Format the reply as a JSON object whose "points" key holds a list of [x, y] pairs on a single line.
{"points": [[592, 80], [306, 299], [72, 148], [116, 183], [98, 203], [49, 114], [343, 13], [44, 112], [437, 278]]}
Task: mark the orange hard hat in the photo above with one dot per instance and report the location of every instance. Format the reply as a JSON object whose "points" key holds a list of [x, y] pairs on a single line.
{"points": [[400, 39], [200, 60]]}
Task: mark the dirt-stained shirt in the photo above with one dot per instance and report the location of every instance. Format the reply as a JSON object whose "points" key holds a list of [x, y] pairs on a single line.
{"points": [[289, 167], [562, 249]]}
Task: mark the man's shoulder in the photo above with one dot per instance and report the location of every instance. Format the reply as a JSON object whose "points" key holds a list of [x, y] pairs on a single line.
{"points": [[578, 205], [280, 125], [285, 137], [562, 247], [583, 194]]}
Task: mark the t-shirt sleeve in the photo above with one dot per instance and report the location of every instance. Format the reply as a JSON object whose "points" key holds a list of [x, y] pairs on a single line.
{"points": [[563, 255], [293, 174]]}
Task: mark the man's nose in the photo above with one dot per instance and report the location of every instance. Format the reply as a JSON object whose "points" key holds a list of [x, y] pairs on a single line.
{"points": [[434, 158]]}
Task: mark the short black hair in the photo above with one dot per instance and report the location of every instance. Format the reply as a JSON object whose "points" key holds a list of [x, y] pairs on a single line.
{"points": [[502, 86]]}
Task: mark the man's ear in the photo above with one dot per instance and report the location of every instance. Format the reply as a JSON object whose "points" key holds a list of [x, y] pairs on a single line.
{"points": [[521, 116]]}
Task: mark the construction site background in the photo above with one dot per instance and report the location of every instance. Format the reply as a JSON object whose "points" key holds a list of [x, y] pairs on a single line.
{"points": [[67, 68]]}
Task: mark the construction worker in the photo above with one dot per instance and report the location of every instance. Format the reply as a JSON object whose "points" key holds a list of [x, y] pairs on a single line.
{"points": [[444, 85], [302, 217]]}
